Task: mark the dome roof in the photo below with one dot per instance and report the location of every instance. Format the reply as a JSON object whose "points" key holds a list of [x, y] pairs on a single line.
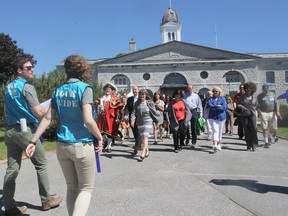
{"points": [[170, 16]]}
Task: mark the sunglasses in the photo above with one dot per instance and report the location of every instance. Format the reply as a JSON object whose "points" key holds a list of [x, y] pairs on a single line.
{"points": [[28, 67], [215, 91]]}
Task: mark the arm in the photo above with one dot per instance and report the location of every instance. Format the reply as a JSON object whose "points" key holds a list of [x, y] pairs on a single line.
{"points": [[39, 111], [91, 125], [210, 104], [277, 110], [200, 107], [133, 115], [223, 104], [30, 94], [240, 103], [162, 106], [45, 122]]}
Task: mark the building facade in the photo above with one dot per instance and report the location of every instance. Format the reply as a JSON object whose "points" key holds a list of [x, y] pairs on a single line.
{"points": [[173, 64]]}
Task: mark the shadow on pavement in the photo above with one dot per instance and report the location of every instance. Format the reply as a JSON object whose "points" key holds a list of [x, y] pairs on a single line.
{"points": [[251, 185]]}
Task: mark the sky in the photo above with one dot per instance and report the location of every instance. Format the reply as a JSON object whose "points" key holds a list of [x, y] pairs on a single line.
{"points": [[52, 30]]}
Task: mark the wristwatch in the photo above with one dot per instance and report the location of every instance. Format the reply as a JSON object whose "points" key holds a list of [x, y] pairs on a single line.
{"points": [[31, 142]]}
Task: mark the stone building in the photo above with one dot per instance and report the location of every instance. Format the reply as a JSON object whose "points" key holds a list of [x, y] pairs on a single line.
{"points": [[173, 64]]}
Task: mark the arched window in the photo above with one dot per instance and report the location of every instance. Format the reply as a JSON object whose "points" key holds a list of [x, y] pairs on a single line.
{"points": [[169, 36], [173, 36], [234, 76], [175, 78], [120, 80]]}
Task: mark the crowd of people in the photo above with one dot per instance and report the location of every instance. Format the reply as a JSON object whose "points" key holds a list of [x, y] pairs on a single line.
{"points": [[178, 115], [83, 125]]}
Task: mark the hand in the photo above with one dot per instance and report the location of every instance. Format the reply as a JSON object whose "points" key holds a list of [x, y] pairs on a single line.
{"points": [[99, 147], [278, 115], [30, 149]]}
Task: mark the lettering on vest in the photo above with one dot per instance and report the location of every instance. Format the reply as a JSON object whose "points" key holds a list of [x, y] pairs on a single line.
{"points": [[67, 103], [68, 98]]}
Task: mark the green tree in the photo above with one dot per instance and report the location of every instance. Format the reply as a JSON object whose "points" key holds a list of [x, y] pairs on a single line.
{"points": [[8, 53], [120, 54], [45, 85]]}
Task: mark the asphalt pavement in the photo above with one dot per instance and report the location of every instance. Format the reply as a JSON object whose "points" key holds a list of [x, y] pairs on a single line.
{"points": [[196, 182]]}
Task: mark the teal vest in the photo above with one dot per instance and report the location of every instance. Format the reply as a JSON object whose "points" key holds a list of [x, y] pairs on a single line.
{"points": [[67, 101], [16, 106]]}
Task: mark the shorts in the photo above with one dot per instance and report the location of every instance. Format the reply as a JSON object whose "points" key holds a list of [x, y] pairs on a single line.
{"points": [[268, 120]]}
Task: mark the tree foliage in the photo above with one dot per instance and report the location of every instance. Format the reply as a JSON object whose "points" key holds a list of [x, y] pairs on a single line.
{"points": [[8, 53], [46, 84]]}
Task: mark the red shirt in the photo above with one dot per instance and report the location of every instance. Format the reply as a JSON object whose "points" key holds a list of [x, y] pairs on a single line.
{"points": [[179, 109]]}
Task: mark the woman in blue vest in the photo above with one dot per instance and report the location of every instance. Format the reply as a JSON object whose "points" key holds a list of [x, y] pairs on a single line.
{"points": [[72, 102]]}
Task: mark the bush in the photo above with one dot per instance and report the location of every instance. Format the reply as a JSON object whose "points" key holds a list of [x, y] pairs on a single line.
{"points": [[284, 114]]}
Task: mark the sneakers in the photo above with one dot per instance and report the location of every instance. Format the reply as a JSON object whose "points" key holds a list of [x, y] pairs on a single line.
{"points": [[17, 210], [52, 203], [219, 147], [267, 145]]}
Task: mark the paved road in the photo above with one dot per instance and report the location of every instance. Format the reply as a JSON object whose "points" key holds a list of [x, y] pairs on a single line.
{"points": [[192, 182]]}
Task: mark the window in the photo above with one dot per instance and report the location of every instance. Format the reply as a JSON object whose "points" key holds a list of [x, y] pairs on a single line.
{"points": [[204, 74], [146, 76], [270, 77], [175, 78], [286, 76], [173, 36], [169, 36], [120, 80], [234, 76]]}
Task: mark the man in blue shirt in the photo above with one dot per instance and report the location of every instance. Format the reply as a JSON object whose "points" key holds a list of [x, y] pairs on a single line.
{"points": [[195, 105], [21, 102]]}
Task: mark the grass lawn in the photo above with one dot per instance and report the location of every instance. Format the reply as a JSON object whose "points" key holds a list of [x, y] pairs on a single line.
{"points": [[48, 145], [283, 132]]}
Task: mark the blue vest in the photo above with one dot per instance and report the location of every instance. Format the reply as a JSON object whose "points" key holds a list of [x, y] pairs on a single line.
{"points": [[15, 104], [67, 101]]}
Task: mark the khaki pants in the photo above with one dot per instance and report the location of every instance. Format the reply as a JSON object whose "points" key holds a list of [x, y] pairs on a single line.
{"points": [[78, 164], [16, 142]]}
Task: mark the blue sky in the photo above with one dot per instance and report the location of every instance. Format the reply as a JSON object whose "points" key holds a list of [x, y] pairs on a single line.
{"points": [[52, 30]]}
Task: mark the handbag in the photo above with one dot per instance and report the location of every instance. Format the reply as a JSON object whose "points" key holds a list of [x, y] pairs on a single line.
{"points": [[200, 124], [238, 111]]}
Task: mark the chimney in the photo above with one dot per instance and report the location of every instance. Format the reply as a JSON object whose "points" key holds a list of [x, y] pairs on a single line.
{"points": [[132, 46]]}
